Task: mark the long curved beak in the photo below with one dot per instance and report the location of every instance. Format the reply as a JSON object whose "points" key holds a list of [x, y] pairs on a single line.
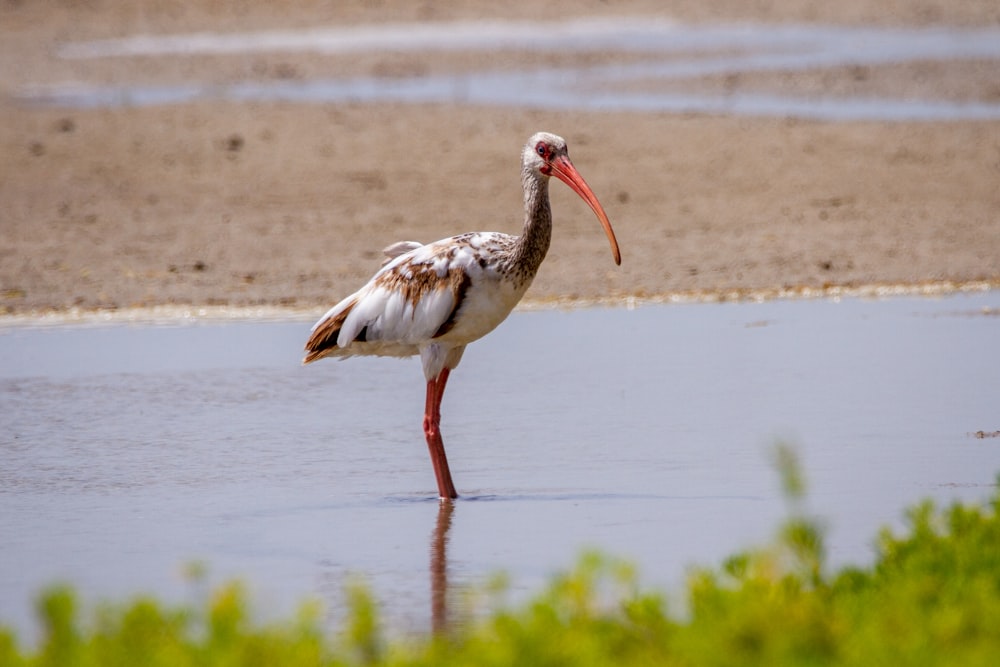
{"points": [[564, 170]]}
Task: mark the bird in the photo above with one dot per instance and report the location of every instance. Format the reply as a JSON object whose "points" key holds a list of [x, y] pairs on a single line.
{"points": [[432, 300]]}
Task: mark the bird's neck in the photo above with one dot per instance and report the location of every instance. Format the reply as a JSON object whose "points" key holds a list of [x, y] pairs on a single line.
{"points": [[531, 246]]}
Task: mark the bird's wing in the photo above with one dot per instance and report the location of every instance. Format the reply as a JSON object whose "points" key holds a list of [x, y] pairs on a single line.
{"points": [[399, 248], [412, 299]]}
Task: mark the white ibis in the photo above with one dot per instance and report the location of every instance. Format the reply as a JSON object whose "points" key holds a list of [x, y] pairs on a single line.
{"points": [[435, 299]]}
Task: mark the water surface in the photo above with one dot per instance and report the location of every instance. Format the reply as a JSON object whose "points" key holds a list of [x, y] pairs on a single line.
{"points": [[129, 451]]}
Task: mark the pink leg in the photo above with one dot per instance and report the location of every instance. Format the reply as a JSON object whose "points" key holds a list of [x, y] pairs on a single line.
{"points": [[432, 431]]}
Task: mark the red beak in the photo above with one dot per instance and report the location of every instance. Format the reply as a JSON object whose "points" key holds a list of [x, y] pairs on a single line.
{"points": [[564, 170]]}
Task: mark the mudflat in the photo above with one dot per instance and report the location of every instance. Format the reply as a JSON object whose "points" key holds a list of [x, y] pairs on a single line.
{"points": [[227, 203]]}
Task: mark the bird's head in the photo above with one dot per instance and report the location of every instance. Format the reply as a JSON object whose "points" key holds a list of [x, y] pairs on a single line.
{"points": [[547, 155], [541, 150]]}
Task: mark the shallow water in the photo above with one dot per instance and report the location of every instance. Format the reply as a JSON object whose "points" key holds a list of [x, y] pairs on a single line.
{"points": [[129, 451], [672, 53]]}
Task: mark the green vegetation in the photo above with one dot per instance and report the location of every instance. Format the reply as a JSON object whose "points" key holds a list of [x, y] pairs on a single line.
{"points": [[932, 597]]}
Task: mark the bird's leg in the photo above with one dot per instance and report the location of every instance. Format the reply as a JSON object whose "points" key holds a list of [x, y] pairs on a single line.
{"points": [[432, 431]]}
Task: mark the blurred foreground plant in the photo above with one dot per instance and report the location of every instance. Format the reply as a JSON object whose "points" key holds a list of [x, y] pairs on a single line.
{"points": [[931, 597]]}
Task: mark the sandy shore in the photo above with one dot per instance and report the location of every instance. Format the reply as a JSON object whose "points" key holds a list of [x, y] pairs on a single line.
{"points": [[288, 205]]}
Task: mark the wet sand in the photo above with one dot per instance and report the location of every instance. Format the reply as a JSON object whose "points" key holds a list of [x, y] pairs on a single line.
{"points": [[216, 203]]}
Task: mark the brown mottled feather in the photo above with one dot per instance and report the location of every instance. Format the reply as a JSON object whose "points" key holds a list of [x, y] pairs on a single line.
{"points": [[324, 338], [411, 280]]}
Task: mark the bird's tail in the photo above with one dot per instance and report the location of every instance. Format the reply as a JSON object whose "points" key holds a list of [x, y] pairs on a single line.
{"points": [[323, 339]]}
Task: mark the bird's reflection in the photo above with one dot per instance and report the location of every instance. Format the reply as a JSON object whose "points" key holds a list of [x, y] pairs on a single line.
{"points": [[439, 567]]}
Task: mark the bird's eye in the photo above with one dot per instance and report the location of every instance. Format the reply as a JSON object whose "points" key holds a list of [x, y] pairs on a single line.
{"points": [[542, 149]]}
